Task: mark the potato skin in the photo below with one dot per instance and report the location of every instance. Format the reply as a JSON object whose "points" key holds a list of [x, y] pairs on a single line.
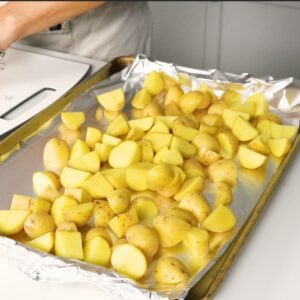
{"points": [[38, 223], [223, 170], [144, 238], [170, 270]]}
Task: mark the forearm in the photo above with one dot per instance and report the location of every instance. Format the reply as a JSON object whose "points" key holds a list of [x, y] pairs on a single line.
{"points": [[20, 19]]}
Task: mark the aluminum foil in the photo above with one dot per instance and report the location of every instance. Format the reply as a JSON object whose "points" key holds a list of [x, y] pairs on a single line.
{"points": [[284, 98]]}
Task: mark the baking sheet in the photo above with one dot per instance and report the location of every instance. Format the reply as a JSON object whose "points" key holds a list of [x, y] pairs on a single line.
{"points": [[251, 184]]}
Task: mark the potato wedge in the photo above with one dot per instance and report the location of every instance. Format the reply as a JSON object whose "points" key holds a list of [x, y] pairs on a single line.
{"points": [[125, 154], [12, 221], [97, 251], [129, 260], [250, 159], [170, 270], [243, 130], [144, 238], [112, 100], [223, 170], [43, 243], [73, 120], [221, 219]]}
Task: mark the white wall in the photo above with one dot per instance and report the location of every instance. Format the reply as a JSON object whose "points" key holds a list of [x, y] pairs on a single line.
{"points": [[256, 37]]}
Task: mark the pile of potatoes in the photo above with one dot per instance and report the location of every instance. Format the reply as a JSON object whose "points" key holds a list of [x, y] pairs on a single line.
{"points": [[128, 196]]}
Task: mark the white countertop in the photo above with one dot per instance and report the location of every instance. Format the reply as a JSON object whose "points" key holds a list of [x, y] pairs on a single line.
{"points": [[267, 268]]}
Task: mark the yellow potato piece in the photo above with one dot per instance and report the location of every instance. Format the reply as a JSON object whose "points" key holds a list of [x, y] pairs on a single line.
{"points": [[78, 194], [283, 131], [134, 134], [186, 149], [160, 176], [171, 230], [56, 151], [119, 126], [97, 186], [125, 154], [154, 83], [221, 219], [12, 221], [168, 156], [129, 260], [38, 224], [185, 132], [166, 119], [89, 162], [183, 215], [147, 150], [144, 238], [229, 144], [110, 115], [93, 136], [110, 140], [145, 207], [141, 99], [79, 148], [259, 145], [207, 157], [230, 97], [57, 208], [250, 159], [212, 120], [160, 127], [247, 107], [223, 194], [230, 115], [136, 176], [96, 231], [102, 213], [68, 244], [190, 101], [46, 183], [279, 147], [72, 178], [217, 108], [73, 120], [119, 200], [97, 251], [197, 242], [170, 270], [243, 130], [195, 184], [112, 100], [120, 223], [197, 204], [205, 140], [43, 243], [261, 104], [79, 214], [143, 124], [223, 170], [103, 151], [21, 202], [158, 140], [67, 226], [208, 129], [152, 109], [192, 168], [173, 95]]}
